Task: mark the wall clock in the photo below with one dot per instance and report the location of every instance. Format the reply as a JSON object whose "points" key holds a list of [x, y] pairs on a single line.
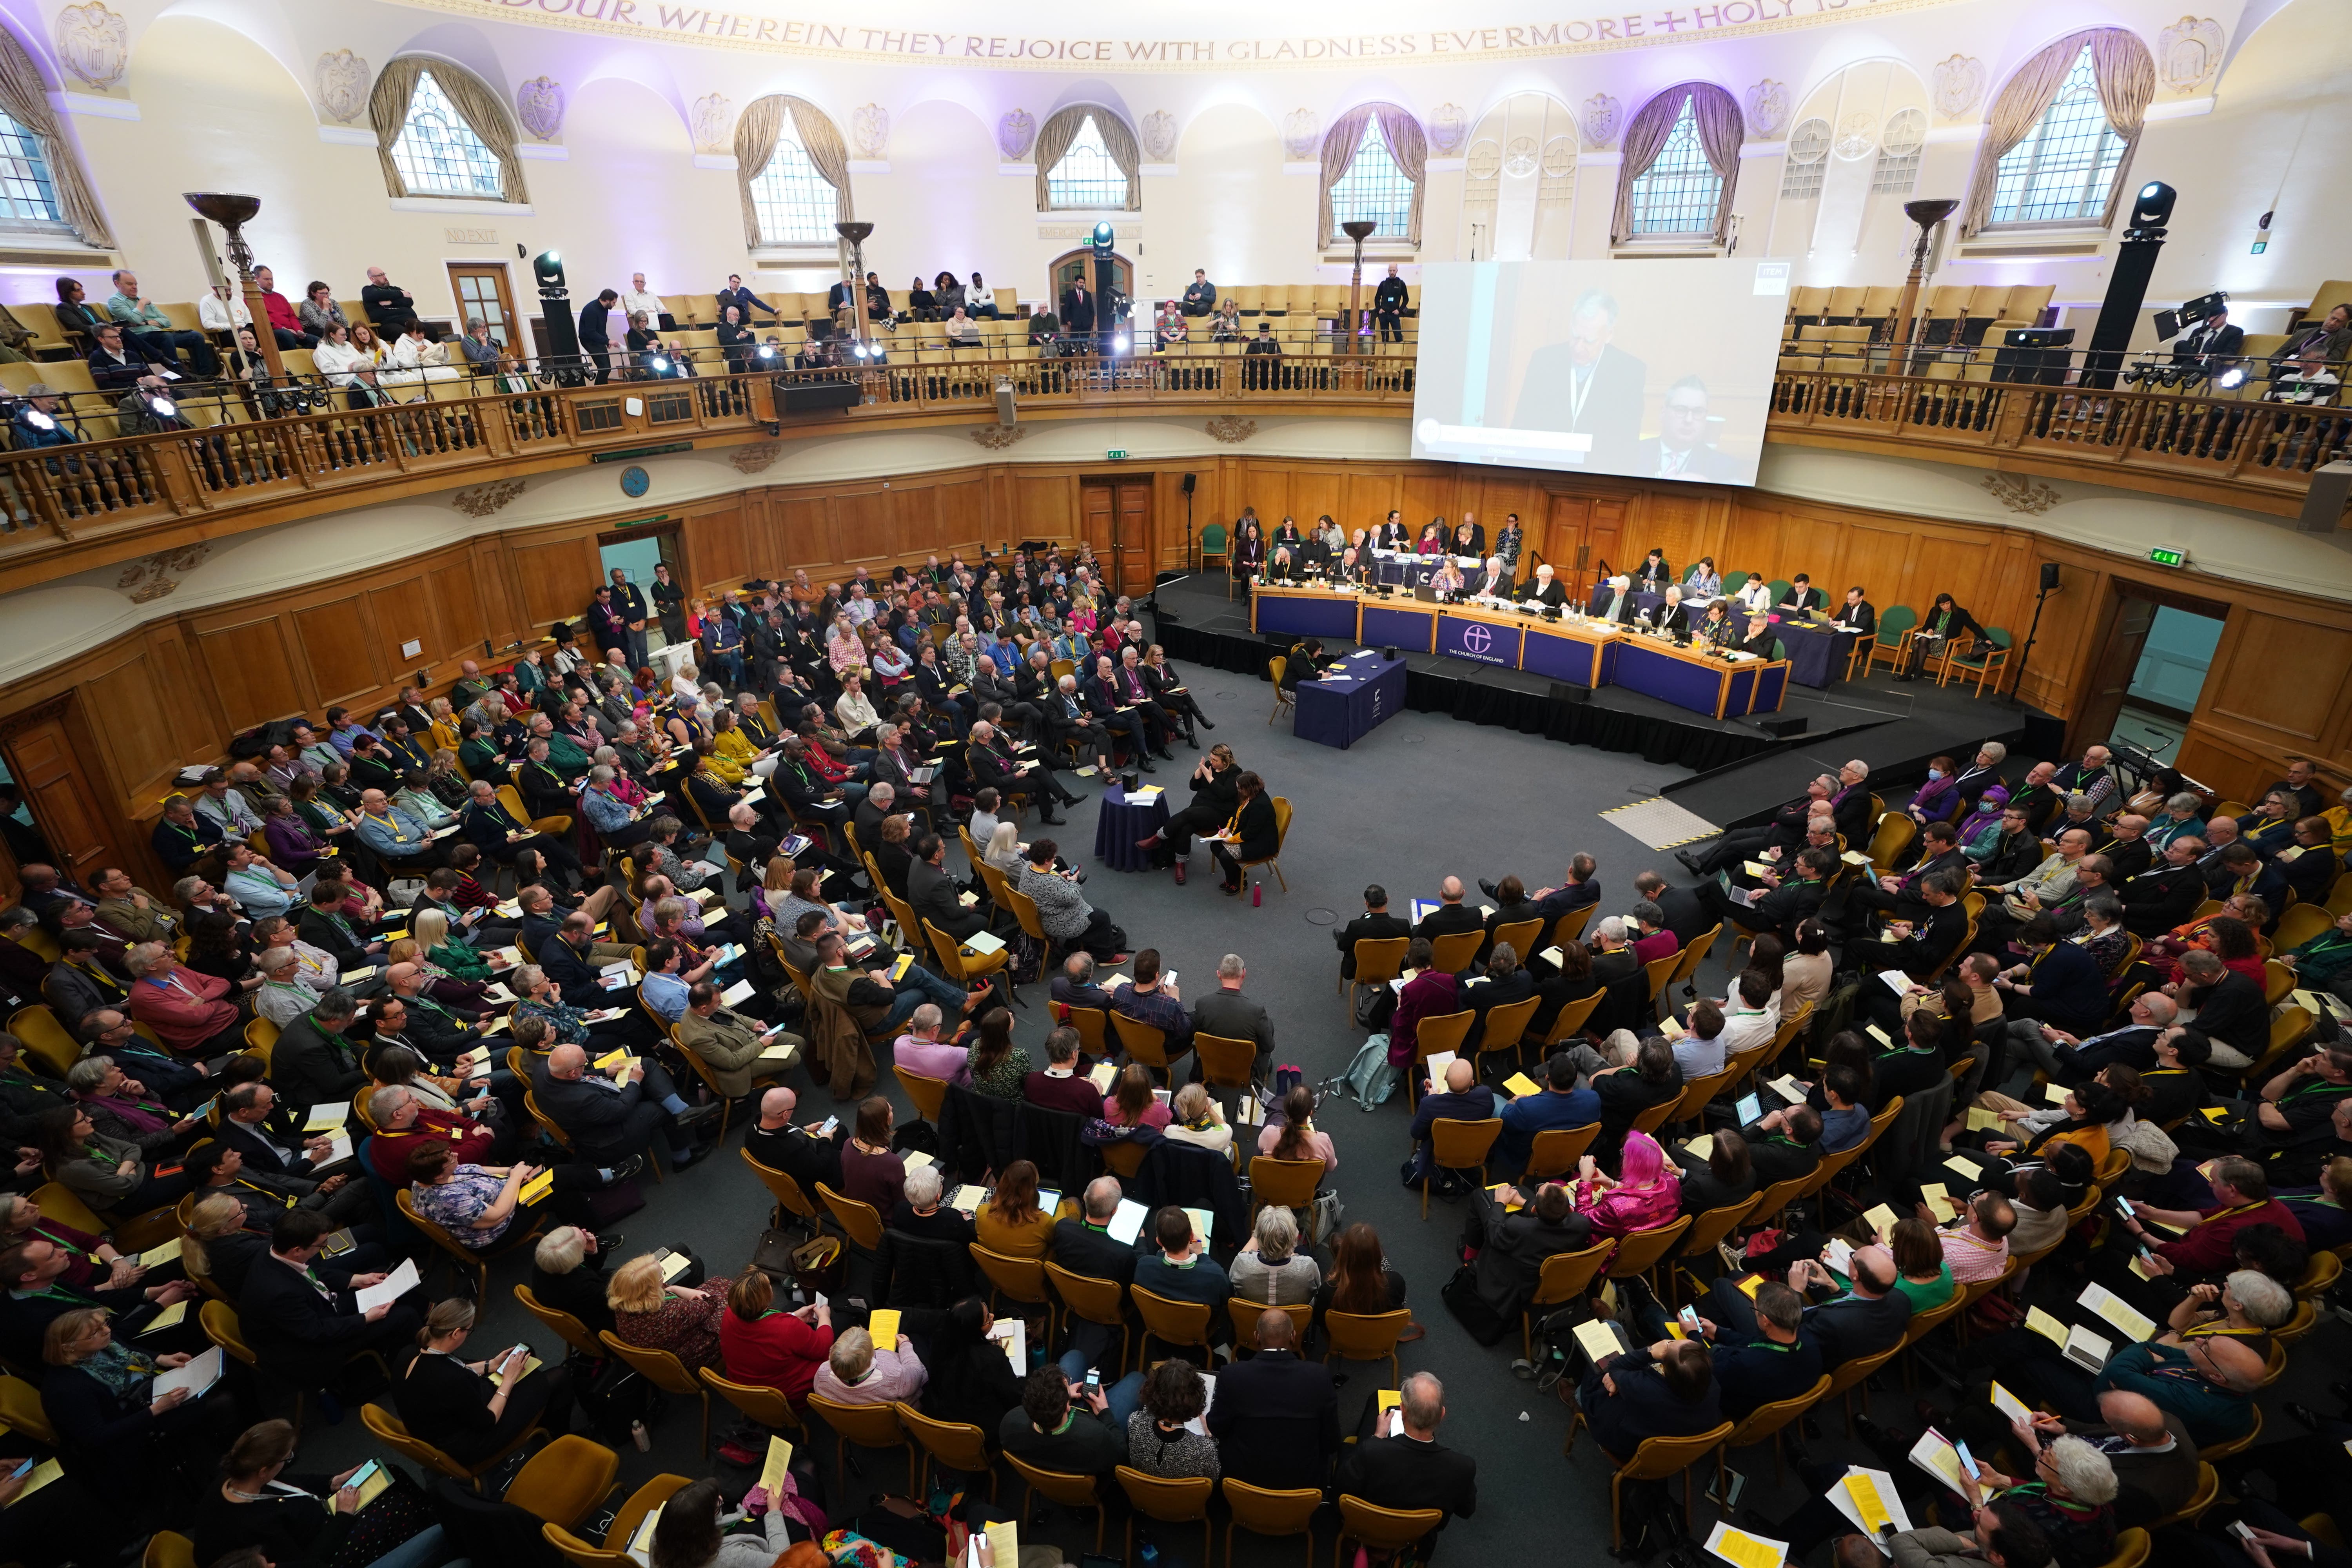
{"points": [[634, 482]]}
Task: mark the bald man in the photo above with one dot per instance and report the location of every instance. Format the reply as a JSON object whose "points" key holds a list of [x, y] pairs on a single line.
{"points": [[609, 1122], [1463, 1099], [808, 1154], [1276, 1416], [1450, 915]]}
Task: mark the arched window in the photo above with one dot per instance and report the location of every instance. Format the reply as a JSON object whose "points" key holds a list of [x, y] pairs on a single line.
{"points": [[29, 197], [2060, 134], [2063, 169], [1677, 193], [1681, 163], [1087, 160], [795, 202], [441, 131], [438, 151], [1373, 187], [1087, 178]]}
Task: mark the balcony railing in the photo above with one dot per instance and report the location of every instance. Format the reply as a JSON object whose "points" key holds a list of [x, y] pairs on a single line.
{"points": [[2222, 447], [235, 460]]}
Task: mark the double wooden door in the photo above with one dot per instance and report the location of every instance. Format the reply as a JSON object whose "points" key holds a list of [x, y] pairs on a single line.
{"points": [[1115, 517], [1580, 532]]}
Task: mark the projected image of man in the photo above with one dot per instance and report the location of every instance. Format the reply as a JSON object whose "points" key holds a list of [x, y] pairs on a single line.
{"points": [[1679, 450], [1587, 386]]}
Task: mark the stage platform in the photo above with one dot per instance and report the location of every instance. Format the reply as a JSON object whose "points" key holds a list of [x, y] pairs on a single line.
{"points": [[1741, 772]]}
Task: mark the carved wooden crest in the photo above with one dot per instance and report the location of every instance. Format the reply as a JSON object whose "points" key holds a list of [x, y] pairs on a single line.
{"points": [[538, 104], [342, 81], [484, 500], [756, 457], [94, 42], [151, 577], [2019, 494], [997, 438], [1231, 429]]}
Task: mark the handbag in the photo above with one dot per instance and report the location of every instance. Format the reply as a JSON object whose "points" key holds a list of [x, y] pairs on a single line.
{"points": [[400, 1513]]}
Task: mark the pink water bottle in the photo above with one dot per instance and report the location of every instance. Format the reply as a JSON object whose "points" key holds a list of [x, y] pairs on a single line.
{"points": [[1257, 894]]}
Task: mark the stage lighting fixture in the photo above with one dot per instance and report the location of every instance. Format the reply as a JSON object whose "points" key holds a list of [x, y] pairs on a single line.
{"points": [[548, 268], [163, 406], [2152, 208], [660, 365], [38, 420], [2232, 379]]}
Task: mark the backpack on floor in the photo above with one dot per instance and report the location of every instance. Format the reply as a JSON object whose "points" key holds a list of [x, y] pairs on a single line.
{"points": [[1480, 1320]]}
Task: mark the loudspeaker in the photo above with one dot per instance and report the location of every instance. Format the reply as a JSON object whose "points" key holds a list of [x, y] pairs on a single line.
{"points": [[2048, 575], [1575, 695], [818, 398], [1190, 480], [1779, 724]]}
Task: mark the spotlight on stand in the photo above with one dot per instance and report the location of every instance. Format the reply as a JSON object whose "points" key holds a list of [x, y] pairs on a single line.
{"points": [[2127, 284], [1106, 281], [2232, 379], [660, 365], [2152, 208], [556, 328]]}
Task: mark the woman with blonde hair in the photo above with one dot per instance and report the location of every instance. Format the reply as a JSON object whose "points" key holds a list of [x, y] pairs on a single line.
{"points": [[99, 1397], [1003, 849], [218, 1248], [471, 1410], [1194, 1118], [656, 1316], [451, 956]]}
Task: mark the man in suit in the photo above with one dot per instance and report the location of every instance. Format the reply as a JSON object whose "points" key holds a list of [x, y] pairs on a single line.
{"points": [[1492, 581], [1076, 987], [2306, 867], [1450, 915], [2070, 1060], [733, 1047], [1862, 1320], [1590, 386], [2165, 895], [1276, 1416], [1802, 596], [938, 897], [1785, 832], [1514, 1233], [1078, 310], [2230, 1011], [1685, 913], [1375, 924], [312, 1063], [1541, 589], [1402, 1466], [1562, 1104], [1229, 1015], [1581, 886], [2210, 344], [1461, 1098], [1929, 942], [300, 1326], [1085, 1245], [1664, 1389], [1779, 1362], [1857, 612], [2331, 340], [610, 1118], [1680, 449]]}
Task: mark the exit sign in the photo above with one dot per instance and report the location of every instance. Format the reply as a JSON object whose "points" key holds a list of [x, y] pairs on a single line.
{"points": [[1116, 454], [2168, 557]]}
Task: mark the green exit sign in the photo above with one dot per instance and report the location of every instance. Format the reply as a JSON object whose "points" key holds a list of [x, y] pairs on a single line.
{"points": [[1116, 454], [2168, 557]]}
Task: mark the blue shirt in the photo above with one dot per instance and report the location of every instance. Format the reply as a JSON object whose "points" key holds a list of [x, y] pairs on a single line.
{"points": [[343, 739], [396, 833], [606, 813], [1533, 1113], [257, 892], [666, 995], [1841, 1130]]}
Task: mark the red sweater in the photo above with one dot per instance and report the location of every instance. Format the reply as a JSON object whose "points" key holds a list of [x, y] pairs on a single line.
{"points": [[779, 1351], [388, 1152], [2211, 1245]]}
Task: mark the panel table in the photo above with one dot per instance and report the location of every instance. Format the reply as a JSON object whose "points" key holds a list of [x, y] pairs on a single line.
{"points": [[1352, 701]]}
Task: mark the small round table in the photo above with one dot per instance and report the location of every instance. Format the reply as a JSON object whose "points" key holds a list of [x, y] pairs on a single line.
{"points": [[1120, 822]]}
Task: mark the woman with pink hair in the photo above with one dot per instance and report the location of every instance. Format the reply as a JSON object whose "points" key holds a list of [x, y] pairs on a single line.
{"points": [[1647, 1194]]}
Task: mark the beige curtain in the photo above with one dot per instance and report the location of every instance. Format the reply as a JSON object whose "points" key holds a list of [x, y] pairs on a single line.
{"points": [[1053, 139], [1720, 131], [484, 112], [1410, 148], [1340, 139], [2127, 77], [757, 131], [27, 102]]}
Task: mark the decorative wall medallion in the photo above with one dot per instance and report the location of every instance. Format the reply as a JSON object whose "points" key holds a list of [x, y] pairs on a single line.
{"points": [[1485, 160], [757, 457], [2188, 52], [539, 103], [636, 482], [1768, 109], [343, 80], [1960, 85], [869, 128], [1015, 132], [94, 42], [1299, 129], [714, 119], [1857, 134], [1519, 157], [1231, 429], [1600, 117], [151, 577], [997, 438], [1159, 136], [484, 500], [1560, 158], [1446, 127], [2030, 496]]}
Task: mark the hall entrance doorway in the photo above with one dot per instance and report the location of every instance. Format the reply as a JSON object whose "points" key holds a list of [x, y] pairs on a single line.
{"points": [[2152, 668], [1115, 517], [1579, 534]]}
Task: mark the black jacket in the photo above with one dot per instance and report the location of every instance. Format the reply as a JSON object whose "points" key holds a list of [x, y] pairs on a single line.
{"points": [[309, 1067], [806, 1159], [936, 897], [595, 1118], [1082, 1250], [1259, 840], [1850, 1326], [295, 1329], [1405, 1473], [1276, 1421], [1644, 1407], [1511, 1258]]}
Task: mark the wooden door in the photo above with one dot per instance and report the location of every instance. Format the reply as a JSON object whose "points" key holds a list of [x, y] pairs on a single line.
{"points": [[1580, 532], [481, 293], [42, 759], [1116, 521], [1071, 266]]}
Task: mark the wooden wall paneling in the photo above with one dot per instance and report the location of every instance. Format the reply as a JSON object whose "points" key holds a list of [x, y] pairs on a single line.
{"points": [[1045, 506], [455, 593], [402, 612], [1265, 486], [962, 517], [339, 643], [801, 527], [137, 736], [189, 706], [1427, 490], [714, 546], [253, 669], [1316, 490], [558, 577], [914, 511], [1365, 497], [863, 528], [2281, 678], [1757, 534]]}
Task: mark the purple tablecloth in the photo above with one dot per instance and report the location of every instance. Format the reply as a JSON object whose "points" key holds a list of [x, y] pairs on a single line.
{"points": [[1348, 704], [1119, 822]]}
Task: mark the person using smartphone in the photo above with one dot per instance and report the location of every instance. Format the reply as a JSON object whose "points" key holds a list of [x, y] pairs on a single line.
{"points": [[471, 1410]]}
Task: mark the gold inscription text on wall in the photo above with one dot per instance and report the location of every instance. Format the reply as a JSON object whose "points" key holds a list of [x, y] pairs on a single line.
{"points": [[745, 27]]}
